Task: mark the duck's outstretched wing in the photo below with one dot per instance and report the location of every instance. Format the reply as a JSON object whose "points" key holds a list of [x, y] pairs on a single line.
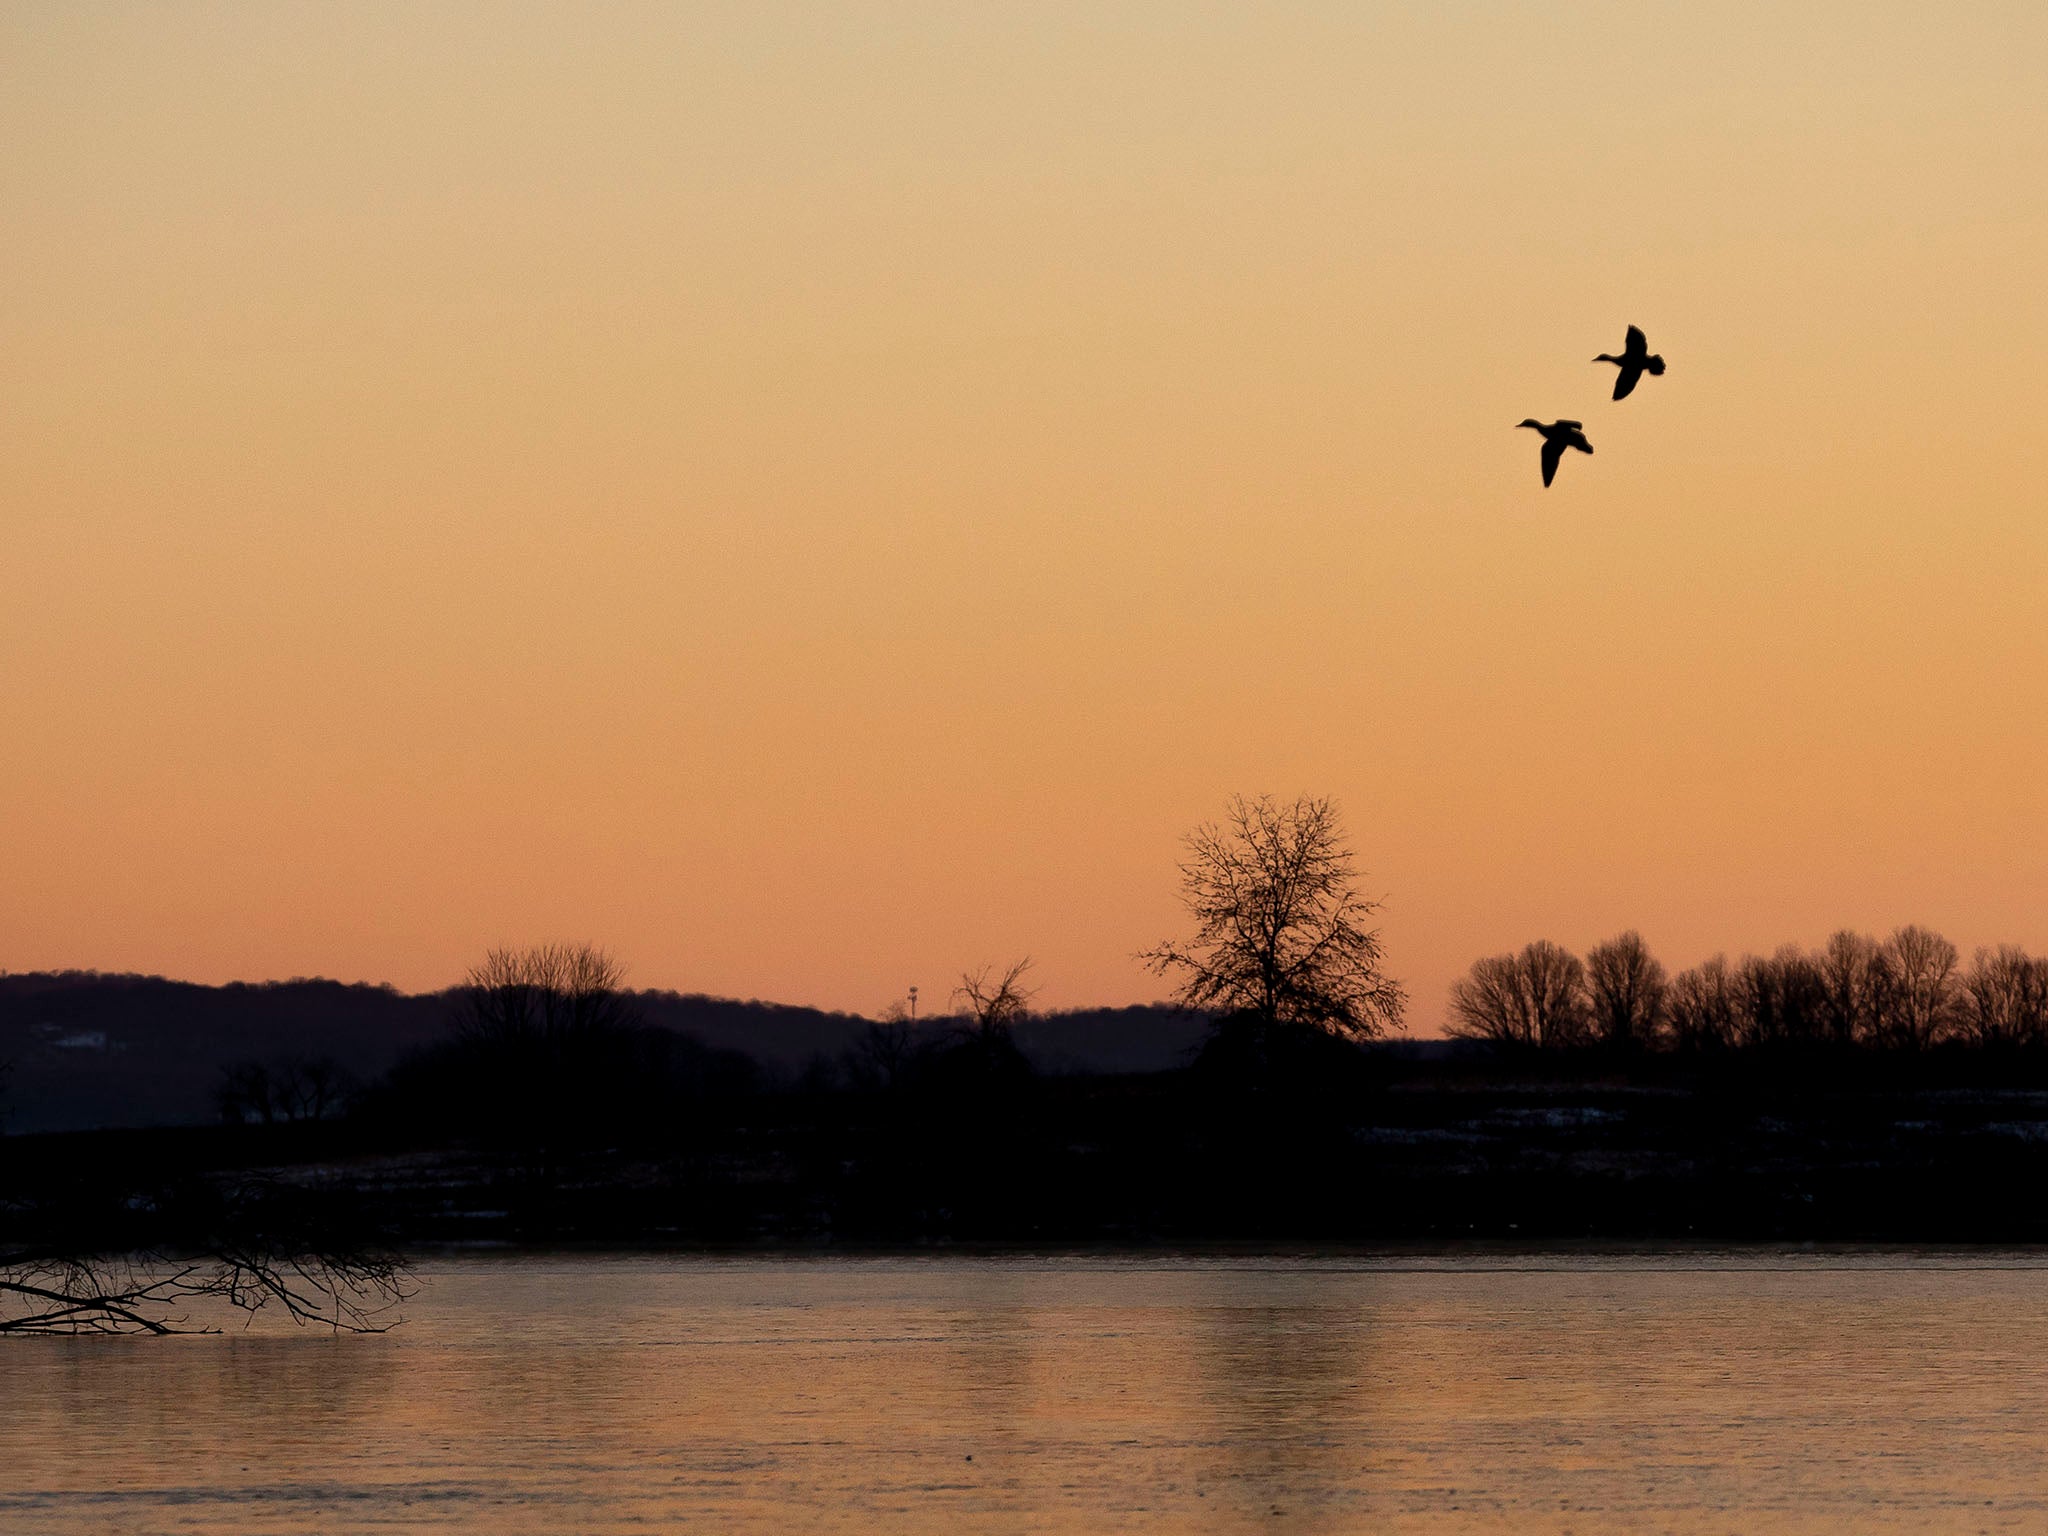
{"points": [[1638, 344], [1625, 380], [1553, 450], [1577, 439]]}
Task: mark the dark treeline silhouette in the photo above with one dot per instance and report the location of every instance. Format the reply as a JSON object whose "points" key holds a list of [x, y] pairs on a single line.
{"points": [[1909, 992], [93, 1051], [1869, 1090], [578, 1116]]}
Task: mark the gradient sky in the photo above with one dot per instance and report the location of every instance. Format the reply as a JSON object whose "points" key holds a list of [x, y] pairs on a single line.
{"points": [[818, 497]]}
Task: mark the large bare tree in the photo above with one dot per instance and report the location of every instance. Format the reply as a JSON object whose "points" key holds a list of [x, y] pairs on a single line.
{"points": [[1279, 925], [1703, 1008], [1922, 997], [1626, 987], [2005, 999], [1534, 998], [1852, 982], [1781, 999]]}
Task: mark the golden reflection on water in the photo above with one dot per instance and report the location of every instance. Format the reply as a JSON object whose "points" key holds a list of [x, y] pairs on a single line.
{"points": [[1694, 1394]]}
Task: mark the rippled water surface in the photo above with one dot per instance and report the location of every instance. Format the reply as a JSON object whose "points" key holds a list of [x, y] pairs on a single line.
{"points": [[1686, 1394]]}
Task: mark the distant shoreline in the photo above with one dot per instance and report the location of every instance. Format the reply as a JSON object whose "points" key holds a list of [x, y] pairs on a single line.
{"points": [[1428, 1161]]}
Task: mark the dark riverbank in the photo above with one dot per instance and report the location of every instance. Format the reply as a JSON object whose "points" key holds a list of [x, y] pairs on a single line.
{"points": [[1407, 1153]]}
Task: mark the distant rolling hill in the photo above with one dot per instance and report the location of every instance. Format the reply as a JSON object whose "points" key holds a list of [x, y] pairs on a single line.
{"points": [[81, 1050]]}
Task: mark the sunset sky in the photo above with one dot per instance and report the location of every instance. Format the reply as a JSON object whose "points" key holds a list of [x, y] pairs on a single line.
{"points": [[816, 497]]}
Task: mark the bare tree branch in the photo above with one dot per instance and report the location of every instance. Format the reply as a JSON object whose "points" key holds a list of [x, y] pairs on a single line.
{"points": [[120, 1270]]}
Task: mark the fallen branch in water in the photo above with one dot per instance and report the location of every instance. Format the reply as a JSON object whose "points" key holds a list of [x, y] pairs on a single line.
{"points": [[259, 1249]]}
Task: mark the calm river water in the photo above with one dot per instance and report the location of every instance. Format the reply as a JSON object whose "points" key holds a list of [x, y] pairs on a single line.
{"points": [[1727, 1392]]}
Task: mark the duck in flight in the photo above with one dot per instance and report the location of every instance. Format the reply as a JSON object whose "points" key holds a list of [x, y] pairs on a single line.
{"points": [[1557, 436], [1636, 360]]}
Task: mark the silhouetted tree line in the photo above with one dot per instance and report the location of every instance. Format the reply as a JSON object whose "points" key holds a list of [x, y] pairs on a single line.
{"points": [[549, 1050], [555, 1109], [1907, 992]]}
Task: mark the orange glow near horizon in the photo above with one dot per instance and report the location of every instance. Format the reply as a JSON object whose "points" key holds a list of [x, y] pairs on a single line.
{"points": [[818, 498]]}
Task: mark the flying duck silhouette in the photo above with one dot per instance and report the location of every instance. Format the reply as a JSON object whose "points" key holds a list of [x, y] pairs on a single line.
{"points": [[1636, 360], [1557, 436]]}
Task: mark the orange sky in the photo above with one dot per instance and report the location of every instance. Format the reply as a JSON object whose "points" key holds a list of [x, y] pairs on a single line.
{"points": [[817, 497]]}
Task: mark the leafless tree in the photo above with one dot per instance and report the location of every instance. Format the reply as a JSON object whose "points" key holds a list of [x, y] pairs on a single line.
{"points": [[1703, 1009], [544, 994], [1921, 995], [994, 1002], [1490, 1003], [1279, 925], [1852, 983], [550, 1051], [297, 1088], [1626, 986], [315, 1087], [2004, 1000], [1534, 998], [1779, 999]]}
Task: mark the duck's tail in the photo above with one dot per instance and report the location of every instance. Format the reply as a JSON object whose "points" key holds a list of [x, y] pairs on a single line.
{"points": [[1654, 364]]}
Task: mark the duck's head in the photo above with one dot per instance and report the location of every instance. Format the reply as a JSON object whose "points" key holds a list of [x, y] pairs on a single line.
{"points": [[1529, 422]]}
